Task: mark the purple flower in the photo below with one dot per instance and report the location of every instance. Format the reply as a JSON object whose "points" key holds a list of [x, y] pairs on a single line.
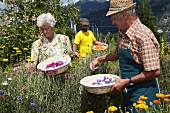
{"points": [[1, 92], [83, 68], [19, 97], [32, 104], [39, 108], [89, 103]]}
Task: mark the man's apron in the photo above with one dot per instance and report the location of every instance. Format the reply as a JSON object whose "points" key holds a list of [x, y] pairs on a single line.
{"points": [[131, 94]]}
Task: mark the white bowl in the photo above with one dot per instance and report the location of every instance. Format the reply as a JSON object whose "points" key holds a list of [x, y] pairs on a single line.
{"points": [[60, 69], [88, 81]]}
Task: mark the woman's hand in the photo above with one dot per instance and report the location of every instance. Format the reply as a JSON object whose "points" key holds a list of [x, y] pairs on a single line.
{"points": [[94, 63]]}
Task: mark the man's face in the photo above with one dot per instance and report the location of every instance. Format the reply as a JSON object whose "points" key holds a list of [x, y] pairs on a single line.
{"points": [[84, 28], [47, 30], [119, 20]]}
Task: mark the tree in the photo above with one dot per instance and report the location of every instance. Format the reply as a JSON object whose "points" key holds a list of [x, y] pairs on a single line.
{"points": [[146, 16], [19, 28]]}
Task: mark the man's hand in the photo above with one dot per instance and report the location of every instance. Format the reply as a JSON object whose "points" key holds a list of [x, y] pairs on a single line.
{"points": [[120, 84], [77, 54]]}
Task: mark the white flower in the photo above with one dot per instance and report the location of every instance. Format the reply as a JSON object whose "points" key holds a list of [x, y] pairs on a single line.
{"points": [[9, 78], [5, 83]]}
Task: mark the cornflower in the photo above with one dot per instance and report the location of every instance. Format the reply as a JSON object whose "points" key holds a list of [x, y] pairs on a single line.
{"points": [[32, 104]]}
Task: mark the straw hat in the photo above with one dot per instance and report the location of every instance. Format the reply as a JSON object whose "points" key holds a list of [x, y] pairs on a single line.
{"points": [[119, 6]]}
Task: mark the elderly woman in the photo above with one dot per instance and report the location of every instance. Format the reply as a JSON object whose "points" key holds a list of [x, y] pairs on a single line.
{"points": [[50, 44]]}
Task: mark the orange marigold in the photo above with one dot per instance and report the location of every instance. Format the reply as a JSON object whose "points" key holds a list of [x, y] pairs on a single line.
{"points": [[166, 100], [156, 101], [142, 106], [167, 96], [160, 95], [143, 98], [98, 47], [141, 102]]}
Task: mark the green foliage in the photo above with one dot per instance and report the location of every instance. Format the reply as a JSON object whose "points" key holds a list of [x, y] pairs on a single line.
{"points": [[19, 28], [147, 17]]}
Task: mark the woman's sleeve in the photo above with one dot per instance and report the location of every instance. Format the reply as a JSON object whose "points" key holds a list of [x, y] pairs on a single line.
{"points": [[34, 53], [68, 47]]}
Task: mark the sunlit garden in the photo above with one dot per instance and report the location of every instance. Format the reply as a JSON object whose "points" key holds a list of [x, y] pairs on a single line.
{"points": [[34, 91]]}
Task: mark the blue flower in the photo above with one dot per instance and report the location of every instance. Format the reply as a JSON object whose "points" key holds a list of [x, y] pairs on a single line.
{"points": [[19, 97], [1, 92], [39, 108], [32, 104], [89, 103]]}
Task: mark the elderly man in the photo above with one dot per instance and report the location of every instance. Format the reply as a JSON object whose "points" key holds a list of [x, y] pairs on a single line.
{"points": [[138, 53]]}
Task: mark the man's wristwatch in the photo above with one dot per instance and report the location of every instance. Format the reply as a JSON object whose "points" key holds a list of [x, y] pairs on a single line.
{"points": [[130, 82]]}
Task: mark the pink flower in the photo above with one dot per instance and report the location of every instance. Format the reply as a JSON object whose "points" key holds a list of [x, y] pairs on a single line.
{"points": [[19, 72], [74, 75], [3, 31], [27, 17], [69, 77], [52, 105], [8, 24], [34, 18], [1, 96], [23, 87], [29, 72], [6, 16], [16, 65], [13, 73], [52, 91], [4, 73], [16, 11]]}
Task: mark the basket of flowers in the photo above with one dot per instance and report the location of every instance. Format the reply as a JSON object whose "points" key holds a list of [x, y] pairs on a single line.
{"points": [[98, 47], [57, 64], [98, 84]]}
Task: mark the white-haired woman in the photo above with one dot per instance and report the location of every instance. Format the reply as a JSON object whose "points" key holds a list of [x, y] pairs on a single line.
{"points": [[50, 44]]}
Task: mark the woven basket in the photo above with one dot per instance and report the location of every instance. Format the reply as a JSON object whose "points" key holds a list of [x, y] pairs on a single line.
{"points": [[97, 89], [58, 70]]}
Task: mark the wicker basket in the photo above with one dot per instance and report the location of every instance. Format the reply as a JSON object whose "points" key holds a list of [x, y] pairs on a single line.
{"points": [[58, 70], [97, 89]]}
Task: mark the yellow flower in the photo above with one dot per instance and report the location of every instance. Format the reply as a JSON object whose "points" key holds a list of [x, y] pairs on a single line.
{"points": [[134, 104], [110, 62], [5, 60], [25, 49], [5, 37], [156, 101], [2, 47], [166, 100], [141, 102], [18, 51], [167, 96], [142, 106], [90, 112], [28, 56], [143, 98], [16, 48], [28, 60], [112, 108], [160, 95]]}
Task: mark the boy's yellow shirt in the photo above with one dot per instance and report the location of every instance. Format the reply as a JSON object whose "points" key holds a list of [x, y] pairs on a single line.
{"points": [[85, 42]]}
